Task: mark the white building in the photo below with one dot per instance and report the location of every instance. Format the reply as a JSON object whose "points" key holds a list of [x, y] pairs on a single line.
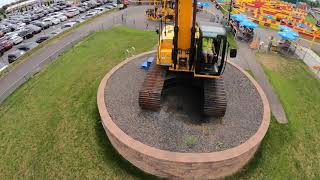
{"points": [[29, 4]]}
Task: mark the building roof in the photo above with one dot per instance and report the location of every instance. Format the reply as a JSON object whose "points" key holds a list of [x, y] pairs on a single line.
{"points": [[25, 3], [209, 29]]}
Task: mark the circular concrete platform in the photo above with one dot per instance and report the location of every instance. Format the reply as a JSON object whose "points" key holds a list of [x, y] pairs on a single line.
{"points": [[159, 142]]}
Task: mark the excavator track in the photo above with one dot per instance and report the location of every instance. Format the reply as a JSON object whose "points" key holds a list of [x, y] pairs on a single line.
{"points": [[150, 93], [215, 101]]}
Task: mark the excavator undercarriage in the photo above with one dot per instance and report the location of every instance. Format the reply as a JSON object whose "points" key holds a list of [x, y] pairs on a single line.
{"points": [[157, 80]]}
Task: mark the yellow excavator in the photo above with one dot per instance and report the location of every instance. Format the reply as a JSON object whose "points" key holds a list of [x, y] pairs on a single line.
{"points": [[162, 9], [181, 58]]}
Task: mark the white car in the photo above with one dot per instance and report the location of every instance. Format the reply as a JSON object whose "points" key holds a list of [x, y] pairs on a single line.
{"points": [[3, 66], [21, 24], [10, 34], [55, 21], [62, 17], [108, 6], [68, 25], [48, 20], [16, 39]]}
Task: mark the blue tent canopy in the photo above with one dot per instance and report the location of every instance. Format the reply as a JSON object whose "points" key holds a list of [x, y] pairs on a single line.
{"points": [[293, 33], [288, 30], [282, 28], [301, 25], [286, 35], [204, 4], [249, 24], [269, 16], [238, 17]]}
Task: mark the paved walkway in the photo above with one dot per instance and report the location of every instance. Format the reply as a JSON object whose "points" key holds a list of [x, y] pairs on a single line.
{"points": [[247, 59]]}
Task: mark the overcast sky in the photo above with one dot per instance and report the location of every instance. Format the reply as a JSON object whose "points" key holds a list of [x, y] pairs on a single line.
{"points": [[4, 2]]}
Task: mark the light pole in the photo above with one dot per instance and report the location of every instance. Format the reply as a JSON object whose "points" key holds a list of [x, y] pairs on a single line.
{"points": [[230, 9]]}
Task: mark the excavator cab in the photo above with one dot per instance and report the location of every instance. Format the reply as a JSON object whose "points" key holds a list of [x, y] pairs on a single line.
{"points": [[215, 64]]}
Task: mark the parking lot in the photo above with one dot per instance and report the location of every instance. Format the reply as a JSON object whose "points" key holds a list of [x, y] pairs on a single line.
{"points": [[59, 20]]}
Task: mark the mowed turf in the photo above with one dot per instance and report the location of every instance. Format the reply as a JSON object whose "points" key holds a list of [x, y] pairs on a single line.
{"points": [[290, 151], [50, 128]]}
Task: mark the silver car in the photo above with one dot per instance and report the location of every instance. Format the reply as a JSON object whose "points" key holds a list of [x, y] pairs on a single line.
{"points": [[16, 39]]}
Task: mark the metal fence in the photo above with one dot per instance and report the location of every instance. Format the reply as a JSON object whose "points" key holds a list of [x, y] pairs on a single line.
{"points": [[118, 18], [296, 50], [310, 58]]}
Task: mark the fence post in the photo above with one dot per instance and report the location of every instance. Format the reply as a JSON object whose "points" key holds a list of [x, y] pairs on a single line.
{"points": [[304, 54]]}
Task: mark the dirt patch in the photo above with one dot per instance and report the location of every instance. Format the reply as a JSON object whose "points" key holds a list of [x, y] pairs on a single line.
{"points": [[272, 62]]}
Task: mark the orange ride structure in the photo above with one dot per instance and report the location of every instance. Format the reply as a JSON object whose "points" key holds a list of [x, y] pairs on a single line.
{"points": [[272, 13], [160, 9]]}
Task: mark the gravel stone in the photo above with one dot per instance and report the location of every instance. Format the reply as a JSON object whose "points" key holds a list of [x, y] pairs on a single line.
{"points": [[179, 126]]}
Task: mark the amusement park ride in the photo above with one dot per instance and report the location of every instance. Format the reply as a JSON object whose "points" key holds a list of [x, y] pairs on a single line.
{"points": [[273, 13], [159, 9], [180, 58]]}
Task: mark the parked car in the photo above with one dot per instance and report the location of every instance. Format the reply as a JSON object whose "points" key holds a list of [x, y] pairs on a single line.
{"points": [[48, 20], [46, 25], [6, 29], [61, 17], [6, 44], [27, 46], [13, 56], [35, 29], [56, 31], [10, 34], [3, 66], [51, 10], [42, 38], [68, 25], [56, 9], [108, 6], [70, 14], [99, 9], [39, 24], [79, 20], [25, 34], [55, 21], [75, 11], [2, 50], [16, 40], [81, 10]]}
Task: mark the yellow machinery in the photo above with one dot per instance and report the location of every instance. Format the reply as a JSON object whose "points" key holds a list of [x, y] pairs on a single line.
{"points": [[180, 59], [162, 8]]}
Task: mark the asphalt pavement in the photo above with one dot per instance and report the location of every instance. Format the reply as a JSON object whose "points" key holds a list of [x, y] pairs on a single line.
{"points": [[132, 18], [4, 57]]}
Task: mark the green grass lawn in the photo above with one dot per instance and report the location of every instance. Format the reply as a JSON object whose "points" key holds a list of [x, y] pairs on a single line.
{"points": [[50, 127], [232, 42], [310, 19], [224, 8], [290, 151]]}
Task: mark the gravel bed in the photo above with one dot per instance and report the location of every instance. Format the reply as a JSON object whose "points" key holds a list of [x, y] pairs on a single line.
{"points": [[179, 126]]}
